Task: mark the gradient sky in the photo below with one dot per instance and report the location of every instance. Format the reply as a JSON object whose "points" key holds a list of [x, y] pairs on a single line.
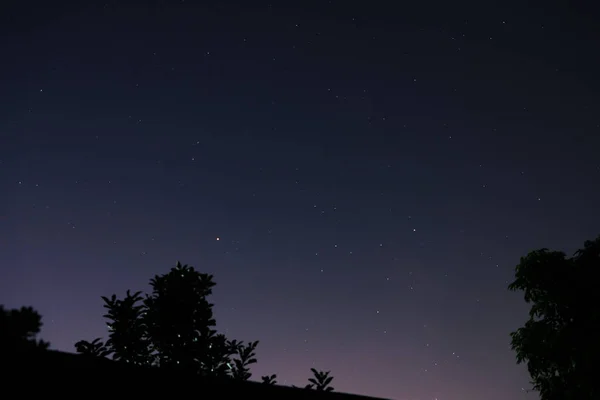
{"points": [[361, 179]]}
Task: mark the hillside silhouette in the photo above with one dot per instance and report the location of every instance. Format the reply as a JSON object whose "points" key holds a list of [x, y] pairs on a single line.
{"points": [[61, 373]]}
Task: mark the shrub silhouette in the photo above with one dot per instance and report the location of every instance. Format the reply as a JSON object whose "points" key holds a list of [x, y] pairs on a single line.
{"points": [[559, 342], [95, 348], [321, 381], [269, 379], [128, 340], [172, 328], [19, 329], [246, 357]]}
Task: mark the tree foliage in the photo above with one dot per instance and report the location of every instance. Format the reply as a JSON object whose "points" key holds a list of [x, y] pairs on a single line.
{"points": [[320, 381], [559, 342], [19, 329], [172, 327], [128, 340]]}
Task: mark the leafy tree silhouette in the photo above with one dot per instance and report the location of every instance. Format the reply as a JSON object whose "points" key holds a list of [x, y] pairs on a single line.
{"points": [[269, 379], [19, 329], [559, 342], [173, 328], [246, 357], [321, 381], [180, 323]]}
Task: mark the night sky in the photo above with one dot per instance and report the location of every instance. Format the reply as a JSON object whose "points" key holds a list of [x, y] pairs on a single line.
{"points": [[360, 178]]}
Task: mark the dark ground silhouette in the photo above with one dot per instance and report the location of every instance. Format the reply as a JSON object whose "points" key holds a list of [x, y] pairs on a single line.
{"points": [[50, 373]]}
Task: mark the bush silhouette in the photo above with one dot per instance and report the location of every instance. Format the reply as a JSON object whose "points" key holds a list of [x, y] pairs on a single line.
{"points": [[559, 342], [128, 340], [246, 357], [95, 348], [321, 381], [19, 329], [269, 379], [172, 328]]}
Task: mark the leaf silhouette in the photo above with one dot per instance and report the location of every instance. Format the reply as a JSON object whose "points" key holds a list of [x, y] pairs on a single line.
{"points": [[269, 379], [320, 381]]}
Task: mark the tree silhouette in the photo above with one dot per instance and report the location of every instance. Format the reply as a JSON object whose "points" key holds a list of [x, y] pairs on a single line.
{"points": [[180, 322], [559, 342], [269, 379], [95, 348], [321, 381], [173, 327], [19, 329], [246, 356]]}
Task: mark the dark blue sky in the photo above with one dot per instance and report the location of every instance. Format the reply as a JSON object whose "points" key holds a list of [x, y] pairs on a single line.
{"points": [[372, 174]]}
